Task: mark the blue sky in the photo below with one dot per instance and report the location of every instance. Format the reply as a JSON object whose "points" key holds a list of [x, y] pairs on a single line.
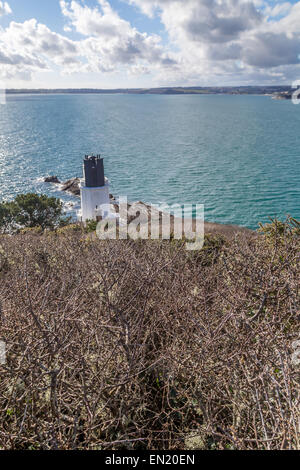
{"points": [[143, 43]]}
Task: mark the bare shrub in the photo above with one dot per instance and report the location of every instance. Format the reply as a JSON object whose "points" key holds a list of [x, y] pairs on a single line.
{"points": [[141, 344]]}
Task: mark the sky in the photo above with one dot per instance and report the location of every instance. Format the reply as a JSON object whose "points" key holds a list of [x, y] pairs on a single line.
{"points": [[148, 43]]}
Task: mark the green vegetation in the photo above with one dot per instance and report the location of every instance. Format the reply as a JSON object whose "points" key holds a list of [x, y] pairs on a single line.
{"points": [[91, 225], [31, 210], [143, 345], [276, 230]]}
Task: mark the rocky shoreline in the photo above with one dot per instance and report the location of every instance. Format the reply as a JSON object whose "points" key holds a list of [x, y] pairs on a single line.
{"points": [[72, 186], [286, 95]]}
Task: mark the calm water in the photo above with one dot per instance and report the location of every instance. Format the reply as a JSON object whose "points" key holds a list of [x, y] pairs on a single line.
{"points": [[238, 155]]}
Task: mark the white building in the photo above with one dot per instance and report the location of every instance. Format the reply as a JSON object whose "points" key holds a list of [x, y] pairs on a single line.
{"points": [[94, 190]]}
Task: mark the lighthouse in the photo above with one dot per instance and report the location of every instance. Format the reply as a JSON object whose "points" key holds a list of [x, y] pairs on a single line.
{"points": [[94, 190]]}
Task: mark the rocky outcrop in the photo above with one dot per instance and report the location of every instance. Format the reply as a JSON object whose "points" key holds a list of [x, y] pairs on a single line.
{"points": [[72, 186], [286, 95], [51, 179]]}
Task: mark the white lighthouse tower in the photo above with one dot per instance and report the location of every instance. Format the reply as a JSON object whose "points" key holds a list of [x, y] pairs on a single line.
{"points": [[94, 190]]}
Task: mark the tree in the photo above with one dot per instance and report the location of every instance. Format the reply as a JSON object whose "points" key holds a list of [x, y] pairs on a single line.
{"points": [[32, 210], [6, 216]]}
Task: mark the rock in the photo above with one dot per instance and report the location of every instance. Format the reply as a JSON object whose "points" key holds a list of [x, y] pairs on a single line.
{"points": [[51, 179], [72, 186]]}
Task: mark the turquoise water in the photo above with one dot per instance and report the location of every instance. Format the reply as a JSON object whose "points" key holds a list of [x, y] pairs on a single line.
{"points": [[238, 155]]}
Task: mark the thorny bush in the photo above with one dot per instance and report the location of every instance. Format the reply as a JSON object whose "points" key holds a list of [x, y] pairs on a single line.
{"points": [[143, 345]]}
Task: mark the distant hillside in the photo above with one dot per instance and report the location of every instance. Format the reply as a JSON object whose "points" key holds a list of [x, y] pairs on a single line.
{"points": [[239, 90]]}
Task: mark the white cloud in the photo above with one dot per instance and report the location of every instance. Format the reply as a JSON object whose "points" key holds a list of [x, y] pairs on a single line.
{"points": [[36, 38], [278, 10], [4, 9], [208, 20], [111, 42], [150, 6], [231, 37], [209, 42], [108, 44], [93, 22], [30, 47]]}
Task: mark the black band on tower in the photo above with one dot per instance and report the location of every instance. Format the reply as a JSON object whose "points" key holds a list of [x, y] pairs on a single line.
{"points": [[94, 171]]}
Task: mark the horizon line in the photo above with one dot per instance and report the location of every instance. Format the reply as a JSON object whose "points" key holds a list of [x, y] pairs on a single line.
{"points": [[199, 87]]}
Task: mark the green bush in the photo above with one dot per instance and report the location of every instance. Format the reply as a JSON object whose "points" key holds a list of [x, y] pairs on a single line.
{"points": [[32, 210], [91, 226], [276, 231], [71, 228], [6, 216]]}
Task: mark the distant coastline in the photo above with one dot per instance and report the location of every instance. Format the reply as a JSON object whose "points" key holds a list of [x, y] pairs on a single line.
{"points": [[280, 90]]}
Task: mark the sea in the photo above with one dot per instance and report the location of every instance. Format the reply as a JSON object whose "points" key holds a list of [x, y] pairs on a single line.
{"points": [[238, 155]]}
